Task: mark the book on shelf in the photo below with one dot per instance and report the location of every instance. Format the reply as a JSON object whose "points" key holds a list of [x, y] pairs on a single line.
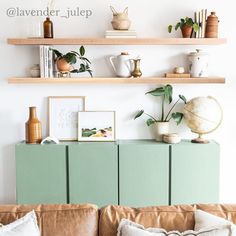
{"points": [[200, 18], [120, 33], [46, 62]]}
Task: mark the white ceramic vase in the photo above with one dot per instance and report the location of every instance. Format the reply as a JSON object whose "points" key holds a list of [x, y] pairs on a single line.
{"points": [[161, 128], [198, 63]]}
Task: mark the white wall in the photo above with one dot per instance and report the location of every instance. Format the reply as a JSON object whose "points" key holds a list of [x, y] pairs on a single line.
{"points": [[150, 19]]}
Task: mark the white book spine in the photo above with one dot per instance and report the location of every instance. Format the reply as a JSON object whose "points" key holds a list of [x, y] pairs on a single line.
{"points": [[50, 63], [41, 55], [200, 24], [195, 21], [203, 24], [46, 61]]}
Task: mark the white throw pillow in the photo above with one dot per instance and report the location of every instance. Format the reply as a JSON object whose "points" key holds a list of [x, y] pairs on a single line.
{"points": [[204, 219], [25, 226], [129, 228]]}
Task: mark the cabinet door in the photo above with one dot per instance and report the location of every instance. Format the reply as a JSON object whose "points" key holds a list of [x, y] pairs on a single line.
{"points": [[194, 173], [143, 173], [93, 173], [41, 174]]}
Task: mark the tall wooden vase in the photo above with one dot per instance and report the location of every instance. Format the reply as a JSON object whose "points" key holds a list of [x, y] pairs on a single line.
{"points": [[33, 128]]}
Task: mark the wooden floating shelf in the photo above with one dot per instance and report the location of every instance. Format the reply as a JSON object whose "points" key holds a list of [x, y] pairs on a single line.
{"points": [[117, 41], [150, 80]]}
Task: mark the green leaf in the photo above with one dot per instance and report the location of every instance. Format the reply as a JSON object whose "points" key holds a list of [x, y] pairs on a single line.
{"points": [[150, 122], [76, 53], [177, 117], [57, 53], [70, 57], [170, 28], [168, 92], [196, 27], [157, 92], [138, 114], [82, 50], [182, 20], [90, 72], [183, 98], [85, 59], [177, 25]]}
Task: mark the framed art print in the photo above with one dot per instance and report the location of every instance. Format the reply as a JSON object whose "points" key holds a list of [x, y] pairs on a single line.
{"points": [[96, 126], [63, 116]]}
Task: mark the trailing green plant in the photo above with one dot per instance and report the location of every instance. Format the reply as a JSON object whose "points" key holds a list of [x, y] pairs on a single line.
{"points": [[187, 21], [165, 93], [71, 58]]}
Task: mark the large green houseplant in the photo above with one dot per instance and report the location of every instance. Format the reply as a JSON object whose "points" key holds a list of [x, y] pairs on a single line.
{"points": [[165, 93], [64, 62], [187, 26]]}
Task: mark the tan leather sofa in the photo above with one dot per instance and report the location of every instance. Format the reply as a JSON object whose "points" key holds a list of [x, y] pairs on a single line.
{"points": [[88, 220]]}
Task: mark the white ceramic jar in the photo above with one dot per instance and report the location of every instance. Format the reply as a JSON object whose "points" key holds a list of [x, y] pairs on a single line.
{"points": [[198, 63], [35, 71]]}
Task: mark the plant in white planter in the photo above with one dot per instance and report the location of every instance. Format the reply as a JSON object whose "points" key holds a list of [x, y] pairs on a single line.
{"points": [[162, 122]]}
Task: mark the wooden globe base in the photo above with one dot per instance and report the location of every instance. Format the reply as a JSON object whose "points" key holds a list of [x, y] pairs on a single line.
{"points": [[199, 139]]}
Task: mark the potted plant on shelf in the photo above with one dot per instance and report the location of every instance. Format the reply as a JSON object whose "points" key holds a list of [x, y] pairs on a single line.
{"points": [[187, 26], [162, 122], [64, 62]]}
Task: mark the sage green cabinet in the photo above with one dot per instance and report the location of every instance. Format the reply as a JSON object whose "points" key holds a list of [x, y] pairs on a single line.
{"points": [[194, 173], [143, 173], [41, 174], [93, 175], [135, 173]]}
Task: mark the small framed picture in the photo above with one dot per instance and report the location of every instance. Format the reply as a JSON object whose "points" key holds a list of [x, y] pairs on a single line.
{"points": [[96, 126], [63, 116]]}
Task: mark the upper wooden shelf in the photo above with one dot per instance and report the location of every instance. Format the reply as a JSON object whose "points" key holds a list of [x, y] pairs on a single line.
{"points": [[116, 41], [148, 80]]}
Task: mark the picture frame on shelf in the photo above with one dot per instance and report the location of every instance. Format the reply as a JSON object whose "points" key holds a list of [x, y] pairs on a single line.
{"points": [[63, 116], [96, 126]]}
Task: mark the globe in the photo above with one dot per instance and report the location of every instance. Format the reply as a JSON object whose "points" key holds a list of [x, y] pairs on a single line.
{"points": [[203, 115]]}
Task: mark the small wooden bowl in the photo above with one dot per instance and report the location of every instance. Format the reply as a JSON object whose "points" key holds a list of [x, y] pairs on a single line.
{"points": [[171, 138]]}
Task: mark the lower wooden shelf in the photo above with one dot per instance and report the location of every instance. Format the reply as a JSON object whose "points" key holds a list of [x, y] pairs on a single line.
{"points": [[148, 80]]}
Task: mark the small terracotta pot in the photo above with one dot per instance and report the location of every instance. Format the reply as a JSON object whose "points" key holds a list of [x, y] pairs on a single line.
{"points": [[187, 31], [63, 65]]}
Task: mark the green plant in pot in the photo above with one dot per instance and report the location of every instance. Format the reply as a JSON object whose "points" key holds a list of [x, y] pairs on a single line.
{"points": [[187, 26], [64, 62], [161, 122]]}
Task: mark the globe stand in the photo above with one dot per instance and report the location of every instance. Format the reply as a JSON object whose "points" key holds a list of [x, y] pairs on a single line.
{"points": [[200, 140]]}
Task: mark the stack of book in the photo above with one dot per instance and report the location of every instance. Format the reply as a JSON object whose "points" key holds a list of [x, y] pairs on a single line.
{"points": [[200, 18], [120, 34], [46, 62]]}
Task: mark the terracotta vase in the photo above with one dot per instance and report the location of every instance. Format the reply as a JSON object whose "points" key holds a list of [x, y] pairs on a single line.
{"points": [[187, 31], [63, 65], [212, 26], [33, 129]]}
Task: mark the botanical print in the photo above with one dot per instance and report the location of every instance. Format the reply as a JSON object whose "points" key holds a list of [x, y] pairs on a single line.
{"points": [[63, 118]]}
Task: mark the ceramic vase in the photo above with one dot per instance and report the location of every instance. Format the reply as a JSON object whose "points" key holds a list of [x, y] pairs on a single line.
{"points": [[198, 63], [33, 129], [161, 128]]}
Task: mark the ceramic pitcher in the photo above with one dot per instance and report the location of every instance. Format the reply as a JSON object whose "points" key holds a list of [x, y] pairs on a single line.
{"points": [[122, 65], [198, 63]]}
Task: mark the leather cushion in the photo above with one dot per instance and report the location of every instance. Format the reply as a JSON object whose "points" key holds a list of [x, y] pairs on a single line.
{"points": [[179, 217], [59, 220]]}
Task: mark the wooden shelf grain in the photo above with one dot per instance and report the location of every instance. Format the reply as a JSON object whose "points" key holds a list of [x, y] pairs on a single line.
{"points": [[148, 80], [117, 41]]}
